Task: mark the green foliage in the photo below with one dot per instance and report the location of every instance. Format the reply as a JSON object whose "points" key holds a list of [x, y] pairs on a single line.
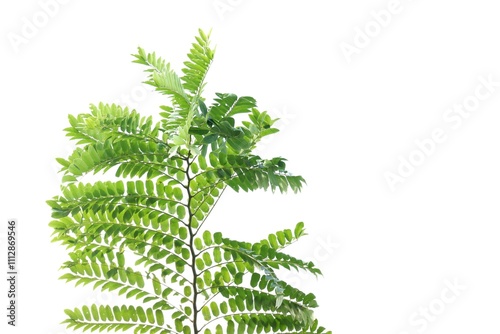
{"points": [[143, 235]]}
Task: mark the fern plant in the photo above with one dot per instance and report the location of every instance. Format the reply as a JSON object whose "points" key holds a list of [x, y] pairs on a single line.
{"points": [[142, 233]]}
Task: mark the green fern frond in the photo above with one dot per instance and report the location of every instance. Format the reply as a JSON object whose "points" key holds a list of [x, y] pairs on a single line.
{"points": [[196, 68], [143, 234], [113, 318], [163, 78]]}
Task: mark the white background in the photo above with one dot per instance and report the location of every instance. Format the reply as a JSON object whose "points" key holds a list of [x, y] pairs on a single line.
{"points": [[385, 254]]}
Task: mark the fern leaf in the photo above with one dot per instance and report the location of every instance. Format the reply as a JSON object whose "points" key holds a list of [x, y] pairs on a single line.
{"points": [[196, 68], [142, 235]]}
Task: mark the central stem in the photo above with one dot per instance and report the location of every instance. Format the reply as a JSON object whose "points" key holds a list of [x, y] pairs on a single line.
{"points": [[192, 250]]}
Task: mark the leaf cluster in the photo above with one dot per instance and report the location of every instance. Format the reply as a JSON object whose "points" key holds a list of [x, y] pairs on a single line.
{"points": [[143, 235]]}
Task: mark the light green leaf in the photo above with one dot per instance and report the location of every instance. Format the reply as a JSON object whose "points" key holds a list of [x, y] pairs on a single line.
{"points": [[156, 285], [205, 311]]}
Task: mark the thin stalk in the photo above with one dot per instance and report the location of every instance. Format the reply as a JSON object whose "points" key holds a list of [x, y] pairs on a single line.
{"points": [[192, 250]]}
